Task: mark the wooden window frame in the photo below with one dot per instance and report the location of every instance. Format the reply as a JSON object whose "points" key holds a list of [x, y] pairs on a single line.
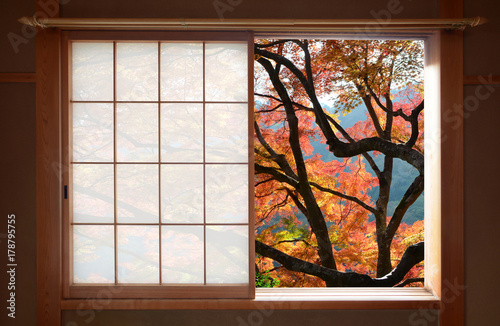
{"points": [[444, 236], [149, 291]]}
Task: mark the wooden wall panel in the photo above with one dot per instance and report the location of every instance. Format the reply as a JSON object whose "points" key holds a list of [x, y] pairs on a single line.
{"points": [[17, 134], [290, 9], [489, 79], [481, 46], [481, 115], [482, 178], [266, 316], [17, 77], [18, 197], [17, 43]]}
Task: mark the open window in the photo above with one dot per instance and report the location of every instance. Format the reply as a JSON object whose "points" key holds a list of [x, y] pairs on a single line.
{"points": [[159, 139], [444, 255], [339, 162]]}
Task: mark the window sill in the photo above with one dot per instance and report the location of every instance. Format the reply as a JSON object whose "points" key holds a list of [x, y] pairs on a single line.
{"points": [[279, 299]]}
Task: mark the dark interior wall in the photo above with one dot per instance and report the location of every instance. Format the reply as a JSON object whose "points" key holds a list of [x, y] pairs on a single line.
{"points": [[17, 114], [17, 166], [482, 175], [482, 218], [290, 9], [249, 318], [481, 44], [17, 43]]}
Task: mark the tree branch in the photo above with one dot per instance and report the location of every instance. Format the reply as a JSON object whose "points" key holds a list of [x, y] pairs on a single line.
{"points": [[270, 110], [375, 97], [371, 110], [308, 87], [299, 205], [410, 281], [412, 256], [294, 240], [347, 197], [278, 158], [274, 207], [414, 124], [262, 182], [268, 45], [410, 196], [278, 176], [337, 126], [339, 148], [268, 96], [316, 218], [412, 156]]}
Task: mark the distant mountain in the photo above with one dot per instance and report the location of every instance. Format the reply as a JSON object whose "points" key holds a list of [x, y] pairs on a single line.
{"points": [[403, 173]]}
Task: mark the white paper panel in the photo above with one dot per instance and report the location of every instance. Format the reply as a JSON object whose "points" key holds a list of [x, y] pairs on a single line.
{"points": [[137, 71], [226, 75], [182, 132], [182, 72], [137, 193], [182, 254], [226, 133], [226, 193], [182, 193], [92, 132], [138, 254], [137, 132], [227, 254], [93, 254], [93, 193], [92, 65]]}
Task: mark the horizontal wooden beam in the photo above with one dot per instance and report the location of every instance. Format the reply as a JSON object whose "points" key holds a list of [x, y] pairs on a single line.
{"points": [[15, 77], [482, 80]]}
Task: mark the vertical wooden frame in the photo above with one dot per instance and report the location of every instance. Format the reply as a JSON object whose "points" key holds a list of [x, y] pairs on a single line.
{"points": [[432, 166], [452, 171], [49, 169], [160, 270], [251, 165], [452, 182], [66, 118], [115, 209], [204, 170]]}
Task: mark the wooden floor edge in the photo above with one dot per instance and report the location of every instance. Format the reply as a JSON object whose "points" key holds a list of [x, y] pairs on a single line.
{"points": [[243, 304], [16, 77]]}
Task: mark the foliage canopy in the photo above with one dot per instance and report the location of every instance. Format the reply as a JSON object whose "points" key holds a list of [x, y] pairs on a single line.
{"points": [[319, 219]]}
